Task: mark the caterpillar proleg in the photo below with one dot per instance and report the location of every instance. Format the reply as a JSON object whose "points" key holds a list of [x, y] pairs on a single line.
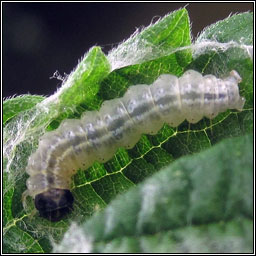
{"points": [[120, 123]]}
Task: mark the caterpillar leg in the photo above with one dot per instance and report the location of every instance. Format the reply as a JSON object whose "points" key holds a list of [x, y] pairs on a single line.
{"points": [[24, 199]]}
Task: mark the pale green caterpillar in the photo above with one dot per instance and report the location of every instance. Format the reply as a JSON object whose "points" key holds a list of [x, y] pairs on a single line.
{"points": [[120, 123]]}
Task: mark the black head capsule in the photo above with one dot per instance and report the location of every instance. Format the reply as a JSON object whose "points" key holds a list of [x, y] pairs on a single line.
{"points": [[54, 204]]}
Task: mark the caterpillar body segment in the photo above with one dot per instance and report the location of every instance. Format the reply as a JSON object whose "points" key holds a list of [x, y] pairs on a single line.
{"points": [[120, 123]]}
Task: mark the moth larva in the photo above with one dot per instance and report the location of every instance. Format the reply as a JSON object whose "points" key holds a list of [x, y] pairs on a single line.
{"points": [[119, 123]]}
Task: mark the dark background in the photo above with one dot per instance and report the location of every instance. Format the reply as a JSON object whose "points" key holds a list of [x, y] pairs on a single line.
{"points": [[40, 38]]}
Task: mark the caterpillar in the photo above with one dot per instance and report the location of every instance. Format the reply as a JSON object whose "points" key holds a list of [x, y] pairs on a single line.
{"points": [[120, 122]]}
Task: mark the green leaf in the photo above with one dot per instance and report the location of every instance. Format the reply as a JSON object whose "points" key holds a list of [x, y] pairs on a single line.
{"points": [[237, 28], [163, 47], [15, 239], [13, 106], [156, 41], [224, 237], [82, 85], [200, 203]]}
